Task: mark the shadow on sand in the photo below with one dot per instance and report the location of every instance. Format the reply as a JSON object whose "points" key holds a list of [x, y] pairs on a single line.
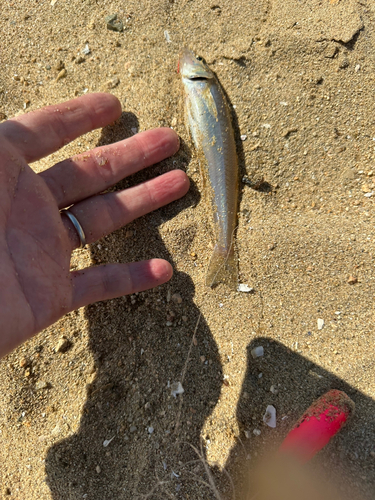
{"points": [[141, 345]]}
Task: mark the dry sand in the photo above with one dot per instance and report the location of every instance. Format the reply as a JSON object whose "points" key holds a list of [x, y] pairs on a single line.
{"points": [[300, 77]]}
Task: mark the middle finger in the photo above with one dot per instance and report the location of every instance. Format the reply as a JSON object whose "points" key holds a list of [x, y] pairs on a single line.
{"points": [[90, 173]]}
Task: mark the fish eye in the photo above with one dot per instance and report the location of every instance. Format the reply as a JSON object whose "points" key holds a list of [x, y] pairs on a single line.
{"points": [[199, 58]]}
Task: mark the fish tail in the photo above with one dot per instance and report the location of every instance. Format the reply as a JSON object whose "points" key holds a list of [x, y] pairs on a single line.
{"points": [[222, 267]]}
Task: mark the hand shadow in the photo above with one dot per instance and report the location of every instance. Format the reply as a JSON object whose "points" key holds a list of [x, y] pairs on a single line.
{"points": [[132, 428], [134, 439]]}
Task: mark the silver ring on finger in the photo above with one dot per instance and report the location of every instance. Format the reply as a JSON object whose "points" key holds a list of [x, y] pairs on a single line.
{"points": [[73, 219]]}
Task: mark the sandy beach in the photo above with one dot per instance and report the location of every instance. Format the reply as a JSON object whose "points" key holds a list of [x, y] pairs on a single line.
{"points": [[87, 409]]}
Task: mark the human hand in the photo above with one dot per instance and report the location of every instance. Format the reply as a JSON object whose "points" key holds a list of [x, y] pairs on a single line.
{"points": [[36, 241]]}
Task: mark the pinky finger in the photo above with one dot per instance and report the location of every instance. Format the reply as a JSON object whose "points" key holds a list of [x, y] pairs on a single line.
{"points": [[113, 280]]}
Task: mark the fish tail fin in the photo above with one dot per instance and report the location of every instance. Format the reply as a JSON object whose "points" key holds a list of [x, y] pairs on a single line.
{"points": [[222, 267]]}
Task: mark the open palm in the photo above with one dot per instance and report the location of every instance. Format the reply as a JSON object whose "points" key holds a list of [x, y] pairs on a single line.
{"points": [[36, 241]]}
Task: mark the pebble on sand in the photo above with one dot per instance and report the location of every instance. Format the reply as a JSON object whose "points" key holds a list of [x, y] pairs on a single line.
{"points": [[176, 388], [320, 323], [41, 384], [113, 23], [62, 345], [176, 298], [352, 280], [111, 84], [257, 352]]}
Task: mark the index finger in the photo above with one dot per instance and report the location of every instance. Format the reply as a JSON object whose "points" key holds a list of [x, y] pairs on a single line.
{"points": [[41, 132]]}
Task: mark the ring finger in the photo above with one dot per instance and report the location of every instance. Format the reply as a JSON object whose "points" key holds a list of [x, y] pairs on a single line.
{"points": [[102, 214]]}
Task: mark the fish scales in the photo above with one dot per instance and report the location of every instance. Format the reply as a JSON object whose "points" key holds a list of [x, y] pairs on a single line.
{"points": [[209, 120]]}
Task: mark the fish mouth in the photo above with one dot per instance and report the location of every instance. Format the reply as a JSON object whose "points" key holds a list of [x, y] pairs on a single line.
{"points": [[192, 67]]}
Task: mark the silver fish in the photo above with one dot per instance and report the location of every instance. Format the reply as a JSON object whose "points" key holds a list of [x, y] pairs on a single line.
{"points": [[208, 117]]}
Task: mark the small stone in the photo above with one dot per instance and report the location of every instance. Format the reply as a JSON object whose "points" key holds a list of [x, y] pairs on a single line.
{"points": [[257, 432], [176, 388], [344, 63], [132, 429], [62, 345], [320, 323], [184, 319], [372, 453], [257, 352], [352, 280], [247, 434], [203, 359], [3, 116], [357, 68], [98, 469], [41, 384], [150, 430], [61, 75], [80, 60], [7, 491], [366, 188], [111, 84], [59, 66], [176, 297], [24, 362], [56, 430], [113, 23], [330, 51], [48, 67], [274, 390], [243, 137]]}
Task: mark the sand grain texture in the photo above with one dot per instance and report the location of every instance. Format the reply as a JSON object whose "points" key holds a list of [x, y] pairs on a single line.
{"points": [[301, 84]]}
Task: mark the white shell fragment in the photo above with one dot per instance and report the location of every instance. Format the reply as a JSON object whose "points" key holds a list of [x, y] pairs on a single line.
{"points": [[244, 288], [257, 352], [86, 50], [320, 323], [269, 417], [176, 388], [107, 441], [167, 37]]}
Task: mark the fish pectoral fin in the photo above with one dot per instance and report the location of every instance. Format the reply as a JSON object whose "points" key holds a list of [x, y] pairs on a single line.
{"points": [[222, 267]]}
